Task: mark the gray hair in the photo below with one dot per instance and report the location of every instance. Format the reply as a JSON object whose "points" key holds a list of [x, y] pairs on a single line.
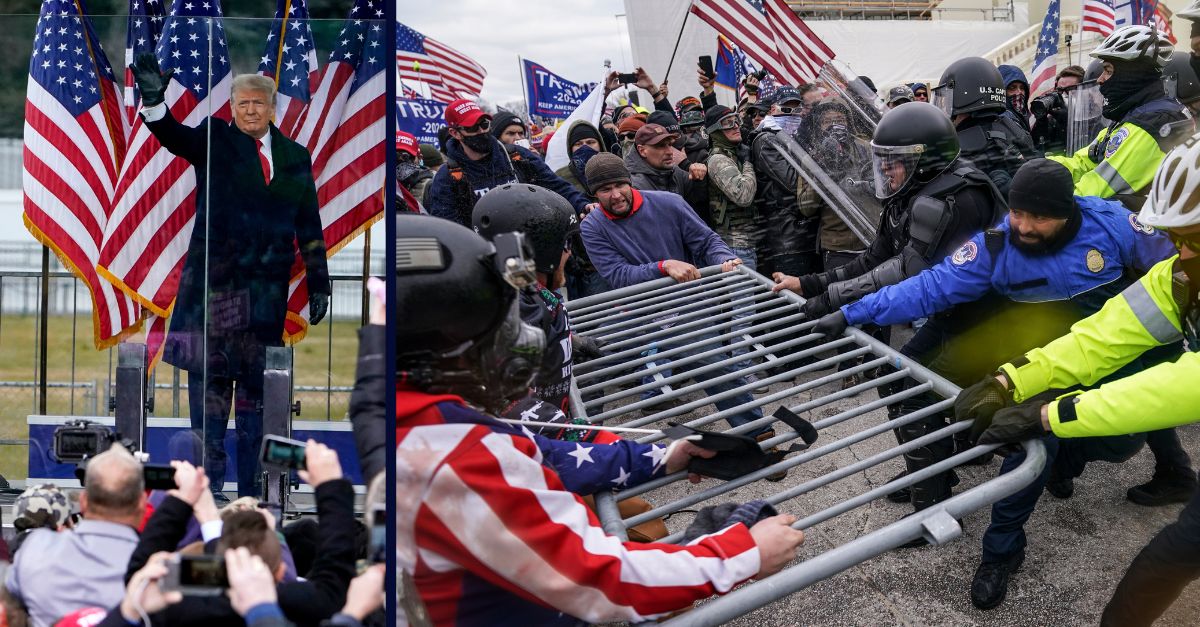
{"points": [[254, 82]]}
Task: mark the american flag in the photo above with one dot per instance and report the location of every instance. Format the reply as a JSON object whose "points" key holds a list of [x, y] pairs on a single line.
{"points": [[345, 132], [1144, 12], [449, 73], [145, 25], [290, 46], [1099, 17], [154, 206], [74, 144], [771, 33], [1045, 64]]}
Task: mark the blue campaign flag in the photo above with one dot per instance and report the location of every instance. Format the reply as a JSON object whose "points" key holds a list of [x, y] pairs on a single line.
{"points": [[421, 117], [550, 95]]}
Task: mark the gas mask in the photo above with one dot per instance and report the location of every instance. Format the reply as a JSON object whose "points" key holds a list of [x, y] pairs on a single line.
{"points": [[507, 362]]}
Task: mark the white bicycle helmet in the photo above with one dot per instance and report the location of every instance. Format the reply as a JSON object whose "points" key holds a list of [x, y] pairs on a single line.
{"points": [[1191, 11], [1131, 43], [1174, 199]]}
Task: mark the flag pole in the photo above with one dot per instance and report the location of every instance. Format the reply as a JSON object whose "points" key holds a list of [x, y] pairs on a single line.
{"points": [[677, 40], [524, 88]]}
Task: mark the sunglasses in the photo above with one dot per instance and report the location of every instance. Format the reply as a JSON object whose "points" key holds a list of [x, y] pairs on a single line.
{"points": [[627, 135], [1191, 241], [786, 110], [480, 126]]}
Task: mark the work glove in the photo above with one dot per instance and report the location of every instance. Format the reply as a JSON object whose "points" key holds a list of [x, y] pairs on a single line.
{"points": [[151, 82], [817, 306], [831, 325], [585, 348], [980, 402], [318, 306], [1015, 424]]}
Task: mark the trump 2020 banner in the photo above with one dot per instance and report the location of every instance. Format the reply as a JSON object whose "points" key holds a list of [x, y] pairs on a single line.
{"points": [[550, 95], [421, 117]]}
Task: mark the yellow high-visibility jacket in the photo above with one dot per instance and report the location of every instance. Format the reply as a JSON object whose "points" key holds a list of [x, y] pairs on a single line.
{"points": [[1148, 313]]}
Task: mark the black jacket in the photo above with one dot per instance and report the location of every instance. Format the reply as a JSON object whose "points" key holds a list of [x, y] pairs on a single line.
{"points": [[245, 234], [368, 401], [303, 602]]}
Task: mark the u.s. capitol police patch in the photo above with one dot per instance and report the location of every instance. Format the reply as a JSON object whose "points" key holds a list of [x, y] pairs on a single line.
{"points": [[967, 252], [1095, 260], [1115, 141], [1138, 226]]}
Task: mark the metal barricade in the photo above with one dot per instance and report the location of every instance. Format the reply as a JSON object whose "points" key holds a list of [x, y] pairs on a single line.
{"points": [[696, 326]]}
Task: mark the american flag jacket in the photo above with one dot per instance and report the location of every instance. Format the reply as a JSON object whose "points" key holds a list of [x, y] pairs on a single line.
{"points": [[492, 529]]}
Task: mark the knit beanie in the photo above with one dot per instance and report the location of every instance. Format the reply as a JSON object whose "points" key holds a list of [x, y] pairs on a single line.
{"points": [[503, 120], [430, 156], [581, 131], [1044, 188], [631, 124], [603, 169], [666, 120], [713, 117]]}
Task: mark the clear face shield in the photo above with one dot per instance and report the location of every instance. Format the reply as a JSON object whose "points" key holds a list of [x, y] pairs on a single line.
{"points": [[943, 98], [894, 167]]}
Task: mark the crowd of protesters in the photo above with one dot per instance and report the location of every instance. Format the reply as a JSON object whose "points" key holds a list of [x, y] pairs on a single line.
{"points": [[101, 556], [997, 231]]}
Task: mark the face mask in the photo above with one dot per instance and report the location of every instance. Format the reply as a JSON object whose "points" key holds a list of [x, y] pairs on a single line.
{"points": [[579, 160], [788, 123], [1016, 103], [481, 143], [405, 169]]}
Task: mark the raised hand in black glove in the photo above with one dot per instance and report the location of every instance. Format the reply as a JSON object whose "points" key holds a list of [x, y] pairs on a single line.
{"points": [[980, 402], [817, 306], [318, 306], [151, 82], [1015, 424], [585, 348], [831, 325]]}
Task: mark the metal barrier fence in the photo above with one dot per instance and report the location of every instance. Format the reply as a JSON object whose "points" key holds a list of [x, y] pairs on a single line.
{"points": [[660, 334]]}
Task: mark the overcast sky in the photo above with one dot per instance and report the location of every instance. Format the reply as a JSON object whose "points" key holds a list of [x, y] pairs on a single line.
{"points": [[571, 38]]}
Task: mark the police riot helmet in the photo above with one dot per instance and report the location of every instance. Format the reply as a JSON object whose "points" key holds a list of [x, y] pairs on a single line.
{"points": [[969, 85], [914, 141], [1182, 75], [545, 217], [458, 326], [1136, 43]]}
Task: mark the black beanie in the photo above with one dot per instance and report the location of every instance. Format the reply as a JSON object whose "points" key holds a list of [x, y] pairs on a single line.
{"points": [[1044, 188], [713, 115], [505, 119], [582, 131], [665, 119]]}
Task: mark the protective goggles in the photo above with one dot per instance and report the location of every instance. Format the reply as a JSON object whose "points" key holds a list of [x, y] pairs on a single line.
{"points": [[727, 123]]}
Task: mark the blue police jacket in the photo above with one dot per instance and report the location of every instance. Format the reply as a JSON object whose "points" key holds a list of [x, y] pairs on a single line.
{"points": [[1110, 250]]}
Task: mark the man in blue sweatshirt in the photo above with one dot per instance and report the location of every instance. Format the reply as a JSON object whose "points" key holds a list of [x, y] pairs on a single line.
{"points": [[477, 162], [638, 236]]}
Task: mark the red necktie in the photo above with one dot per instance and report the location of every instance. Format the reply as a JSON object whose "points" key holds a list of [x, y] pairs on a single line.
{"points": [[262, 160]]}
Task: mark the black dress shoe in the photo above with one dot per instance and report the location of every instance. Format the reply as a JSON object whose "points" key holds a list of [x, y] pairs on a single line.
{"points": [[990, 585], [1169, 485]]}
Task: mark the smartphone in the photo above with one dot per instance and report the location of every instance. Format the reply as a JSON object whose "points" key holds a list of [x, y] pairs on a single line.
{"points": [[706, 66], [158, 476], [196, 575], [280, 451], [378, 548], [627, 78]]}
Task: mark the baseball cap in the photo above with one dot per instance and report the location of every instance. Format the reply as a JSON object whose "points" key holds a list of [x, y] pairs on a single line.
{"points": [[407, 143], [900, 92], [651, 134], [463, 113], [786, 94]]}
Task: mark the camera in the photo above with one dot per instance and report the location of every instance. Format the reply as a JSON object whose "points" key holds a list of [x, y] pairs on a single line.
{"points": [[761, 74], [196, 575], [286, 452], [378, 543], [1044, 104], [79, 440]]}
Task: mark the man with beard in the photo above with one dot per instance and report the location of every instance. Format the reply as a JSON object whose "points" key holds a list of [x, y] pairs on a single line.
{"points": [[1146, 123], [654, 165], [1056, 260], [1160, 308], [476, 162]]}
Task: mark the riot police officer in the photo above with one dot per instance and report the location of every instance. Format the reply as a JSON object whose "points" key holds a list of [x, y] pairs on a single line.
{"points": [[972, 93]]}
